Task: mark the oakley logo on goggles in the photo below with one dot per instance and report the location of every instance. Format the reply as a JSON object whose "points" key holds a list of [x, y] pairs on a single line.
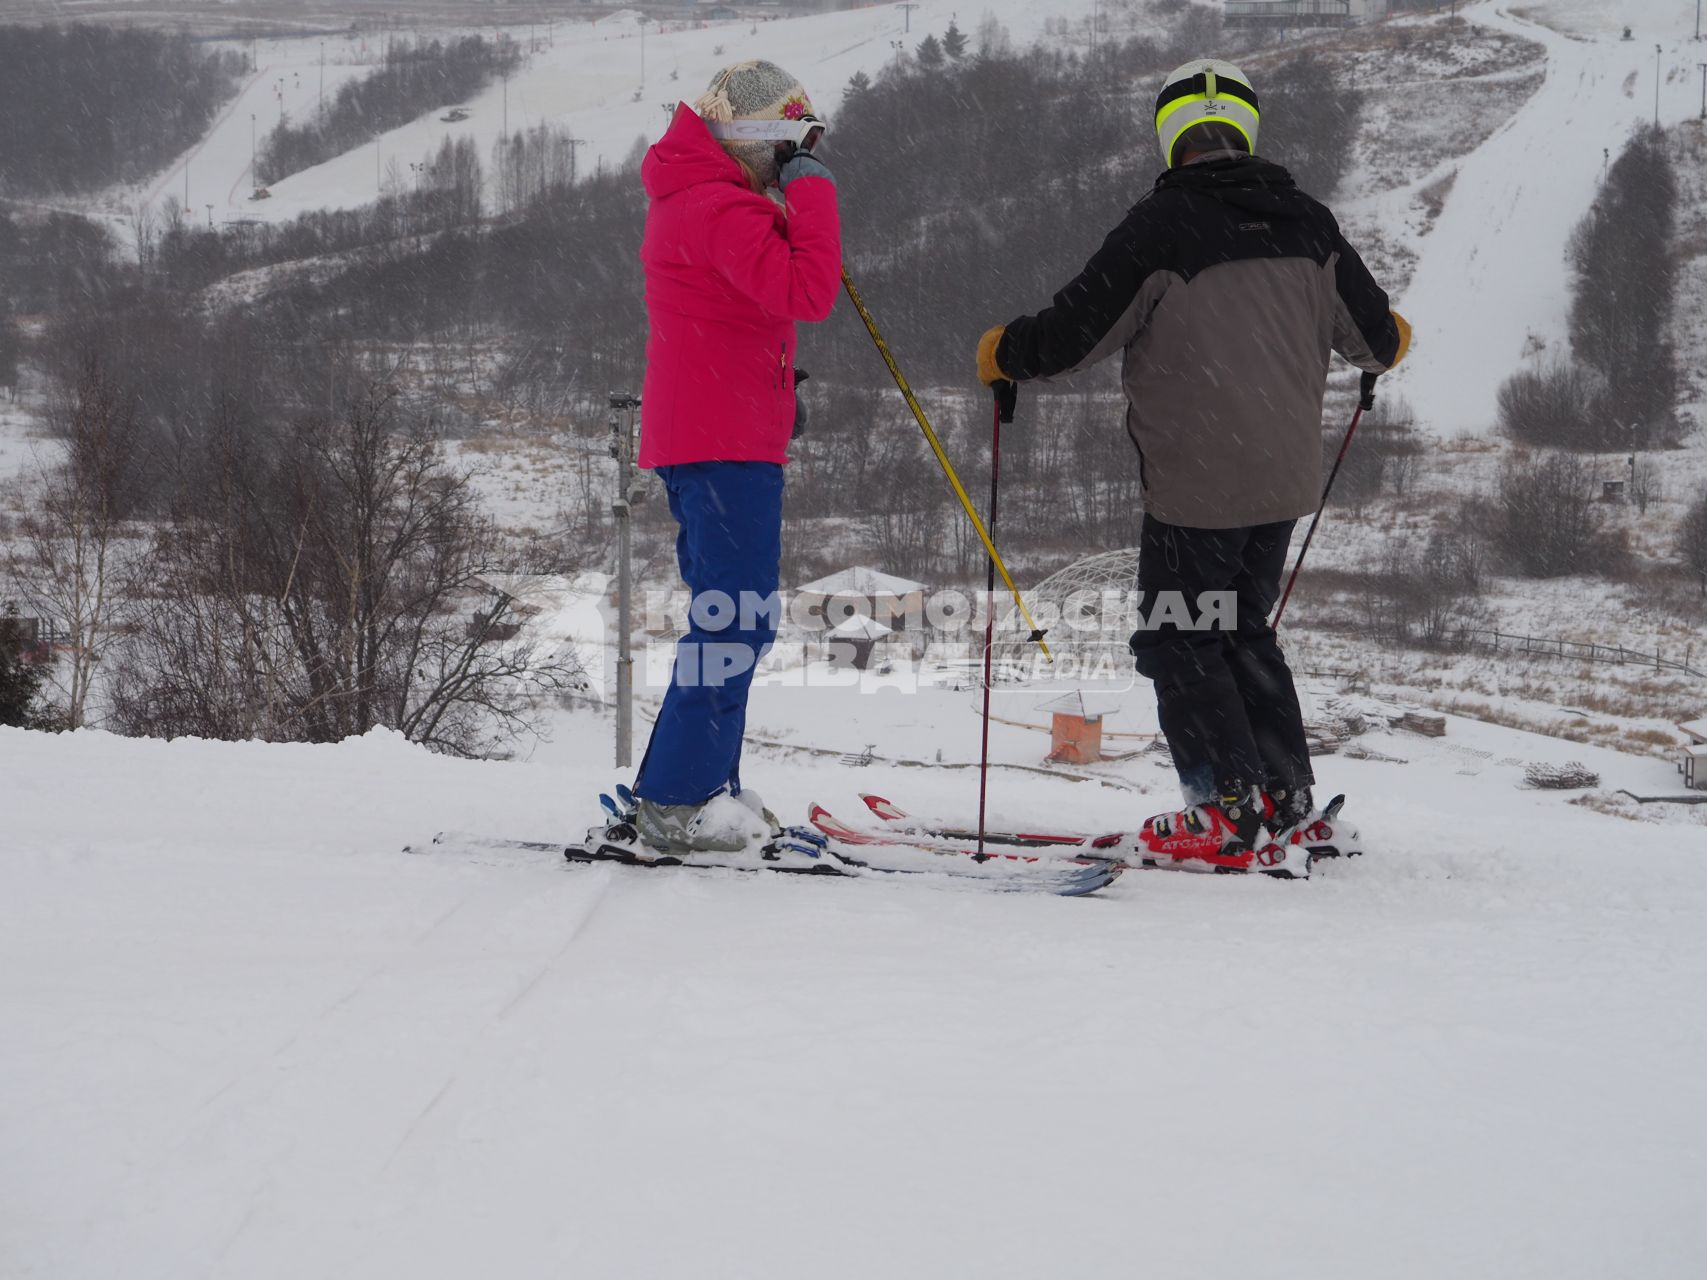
{"points": [[795, 131]]}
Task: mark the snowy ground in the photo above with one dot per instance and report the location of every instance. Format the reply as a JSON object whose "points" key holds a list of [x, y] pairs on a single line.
{"points": [[25, 448], [246, 1036]]}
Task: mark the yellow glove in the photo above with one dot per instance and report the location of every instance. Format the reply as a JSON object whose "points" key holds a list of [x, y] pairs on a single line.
{"points": [[1404, 338], [988, 370]]}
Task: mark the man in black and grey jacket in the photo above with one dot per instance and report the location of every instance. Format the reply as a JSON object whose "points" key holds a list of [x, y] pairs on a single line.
{"points": [[1224, 291]]}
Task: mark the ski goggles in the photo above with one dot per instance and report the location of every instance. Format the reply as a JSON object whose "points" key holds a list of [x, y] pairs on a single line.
{"points": [[800, 132]]}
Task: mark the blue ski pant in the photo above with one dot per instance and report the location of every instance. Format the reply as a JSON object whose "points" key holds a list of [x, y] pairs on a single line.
{"points": [[729, 549], [1224, 692]]}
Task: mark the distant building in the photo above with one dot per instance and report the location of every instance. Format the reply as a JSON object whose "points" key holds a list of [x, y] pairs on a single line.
{"points": [[1297, 13], [891, 600], [1692, 764]]}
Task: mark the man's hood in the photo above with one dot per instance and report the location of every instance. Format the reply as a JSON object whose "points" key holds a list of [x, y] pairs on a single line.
{"points": [[1245, 182], [686, 156]]}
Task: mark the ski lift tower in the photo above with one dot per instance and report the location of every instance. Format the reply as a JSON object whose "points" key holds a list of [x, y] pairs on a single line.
{"points": [[622, 408]]}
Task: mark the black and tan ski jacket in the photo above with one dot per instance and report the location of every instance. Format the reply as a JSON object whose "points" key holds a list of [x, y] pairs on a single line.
{"points": [[1225, 289]]}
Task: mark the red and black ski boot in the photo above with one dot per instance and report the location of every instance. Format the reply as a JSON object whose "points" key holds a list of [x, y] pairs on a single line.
{"points": [[1221, 835]]}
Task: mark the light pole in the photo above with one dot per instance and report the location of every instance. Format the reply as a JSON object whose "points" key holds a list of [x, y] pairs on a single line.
{"points": [[622, 407], [254, 177], [1657, 52], [210, 217], [322, 77], [907, 7], [1703, 66]]}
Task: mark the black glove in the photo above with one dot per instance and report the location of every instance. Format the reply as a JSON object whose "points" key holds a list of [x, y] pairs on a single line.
{"points": [[1366, 390]]}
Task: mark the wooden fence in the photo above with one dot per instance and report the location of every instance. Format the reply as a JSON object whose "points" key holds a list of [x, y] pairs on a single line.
{"points": [[1582, 651]]}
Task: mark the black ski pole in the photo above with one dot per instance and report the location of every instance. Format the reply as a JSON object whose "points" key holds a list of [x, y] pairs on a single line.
{"points": [[1007, 398], [1365, 400]]}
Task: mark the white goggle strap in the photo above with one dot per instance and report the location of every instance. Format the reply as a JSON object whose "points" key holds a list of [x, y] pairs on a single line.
{"points": [[795, 131]]}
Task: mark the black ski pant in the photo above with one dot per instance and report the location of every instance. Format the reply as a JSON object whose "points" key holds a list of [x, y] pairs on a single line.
{"points": [[1224, 693]]}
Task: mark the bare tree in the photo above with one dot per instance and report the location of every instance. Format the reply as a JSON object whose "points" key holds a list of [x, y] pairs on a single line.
{"points": [[72, 566], [1547, 523], [320, 585], [145, 228], [1692, 540], [1646, 484]]}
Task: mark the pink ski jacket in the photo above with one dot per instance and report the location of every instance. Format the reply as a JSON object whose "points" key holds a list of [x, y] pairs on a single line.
{"points": [[728, 272]]}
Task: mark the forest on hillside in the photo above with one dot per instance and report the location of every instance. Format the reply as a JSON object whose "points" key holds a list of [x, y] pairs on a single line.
{"points": [[85, 106]]}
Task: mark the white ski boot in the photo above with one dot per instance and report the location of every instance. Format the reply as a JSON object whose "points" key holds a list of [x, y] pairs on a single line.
{"points": [[725, 831]]}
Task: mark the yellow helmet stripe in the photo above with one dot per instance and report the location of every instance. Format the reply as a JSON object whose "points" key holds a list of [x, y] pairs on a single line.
{"points": [[1177, 103]]}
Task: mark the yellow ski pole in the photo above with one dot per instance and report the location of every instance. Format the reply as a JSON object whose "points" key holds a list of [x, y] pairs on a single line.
{"points": [[942, 459]]}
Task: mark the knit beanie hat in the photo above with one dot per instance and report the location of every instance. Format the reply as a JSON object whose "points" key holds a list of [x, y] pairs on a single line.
{"points": [[753, 91]]}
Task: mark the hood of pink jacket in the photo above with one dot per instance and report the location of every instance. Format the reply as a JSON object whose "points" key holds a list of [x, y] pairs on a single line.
{"points": [[686, 156]]}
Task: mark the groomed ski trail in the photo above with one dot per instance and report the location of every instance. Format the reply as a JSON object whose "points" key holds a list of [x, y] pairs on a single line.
{"points": [[1493, 276]]}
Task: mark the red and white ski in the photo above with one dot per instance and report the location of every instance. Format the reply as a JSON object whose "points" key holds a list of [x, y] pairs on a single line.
{"points": [[1327, 836], [899, 819]]}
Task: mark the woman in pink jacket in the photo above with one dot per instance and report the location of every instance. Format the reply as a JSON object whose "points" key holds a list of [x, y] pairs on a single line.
{"points": [[742, 240]]}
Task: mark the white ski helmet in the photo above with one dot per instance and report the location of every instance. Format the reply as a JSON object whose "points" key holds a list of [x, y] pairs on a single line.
{"points": [[1205, 91]]}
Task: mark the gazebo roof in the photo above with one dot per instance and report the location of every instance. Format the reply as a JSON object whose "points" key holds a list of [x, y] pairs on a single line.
{"points": [[1078, 703], [861, 581], [859, 627]]}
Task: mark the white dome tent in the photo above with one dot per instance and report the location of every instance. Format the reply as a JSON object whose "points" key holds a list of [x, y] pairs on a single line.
{"points": [[1088, 610]]}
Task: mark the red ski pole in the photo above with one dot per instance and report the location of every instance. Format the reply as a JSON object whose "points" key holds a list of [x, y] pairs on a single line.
{"points": [[1007, 396], [1365, 400]]}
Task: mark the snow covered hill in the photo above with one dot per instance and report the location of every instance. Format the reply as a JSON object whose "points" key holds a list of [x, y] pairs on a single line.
{"points": [[1493, 286], [605, 81], [248, 1037]]}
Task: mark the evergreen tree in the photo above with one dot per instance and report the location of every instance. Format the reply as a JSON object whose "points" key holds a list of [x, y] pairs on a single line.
{"points": [[930, 53], [19, 680], [1625, 286], [11, 345], [954, 41]]}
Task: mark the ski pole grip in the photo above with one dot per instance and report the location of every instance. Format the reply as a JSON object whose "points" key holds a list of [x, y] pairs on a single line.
{"points": [[1366, 391], [1007, 398]]}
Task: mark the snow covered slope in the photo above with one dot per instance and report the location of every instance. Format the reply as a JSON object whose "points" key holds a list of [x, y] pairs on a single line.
{"points": [[606, 81], [1493, 286], [247, 1037]]}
